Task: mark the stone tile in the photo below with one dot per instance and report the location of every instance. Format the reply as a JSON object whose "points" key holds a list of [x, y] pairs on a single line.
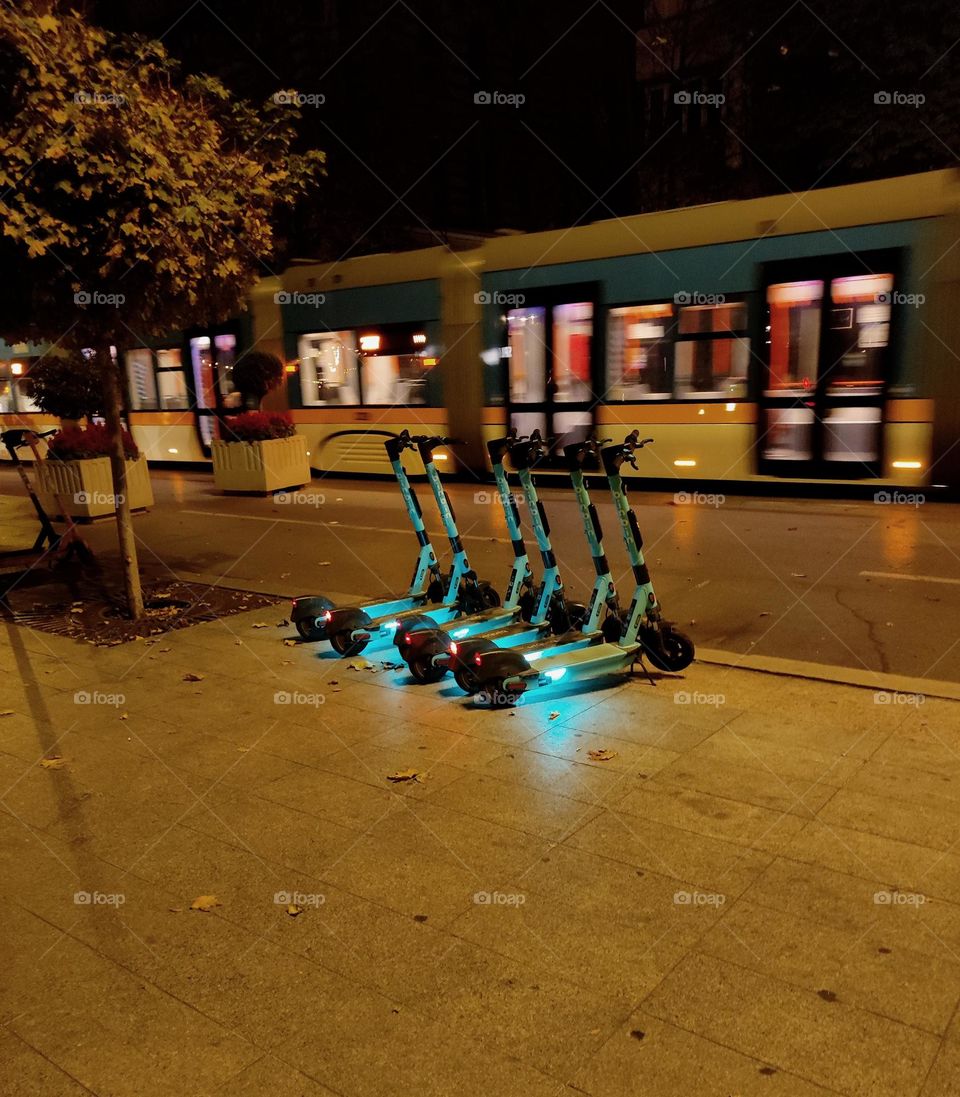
{"points": [[35, 1076], [754, 785], [693, 859], [588, 782], [828, 1043], [921, 820], [637, 759], [942, 1080], [347, 802], [114, 1033], [714, 816], [540, 813], [858, 966], [649, 1056], [784, 723], [270, 1075]]}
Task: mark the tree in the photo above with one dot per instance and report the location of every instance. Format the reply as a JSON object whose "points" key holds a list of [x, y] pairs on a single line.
{"points": [[135, 201], [256, 374]]}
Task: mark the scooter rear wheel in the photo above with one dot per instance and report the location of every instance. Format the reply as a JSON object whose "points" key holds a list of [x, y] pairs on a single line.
{"points": [[343, 643], [466, 680], [424, 671], [676, 654], [308, 630]]}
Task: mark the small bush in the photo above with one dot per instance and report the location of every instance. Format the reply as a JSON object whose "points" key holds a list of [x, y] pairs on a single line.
{"points": [[258, 426], [256, 374], [68, 387], [82, 445]]}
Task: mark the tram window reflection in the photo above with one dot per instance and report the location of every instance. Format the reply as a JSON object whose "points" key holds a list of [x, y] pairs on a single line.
{"points": [[712, 352], [329, 370], [638, 356]]}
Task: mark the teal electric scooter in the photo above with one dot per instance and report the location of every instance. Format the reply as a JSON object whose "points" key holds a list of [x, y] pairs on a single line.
{"points": [[350, 629], [506, 674], [578, 627]]}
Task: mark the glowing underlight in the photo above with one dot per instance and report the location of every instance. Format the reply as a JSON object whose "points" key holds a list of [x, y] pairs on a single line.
{"points": [[685, 463], [460, 633], [440, 457], [394, 625], [907, 465], [16, 368], [369, 342], [556, 675], [534, 655]]}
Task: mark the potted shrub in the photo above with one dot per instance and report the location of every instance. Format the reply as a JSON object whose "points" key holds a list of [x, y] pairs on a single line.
{"points": [[261, 452], [77, 471]]}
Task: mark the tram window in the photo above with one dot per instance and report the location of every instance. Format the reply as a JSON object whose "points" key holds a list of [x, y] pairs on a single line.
{"points": [[395, 378], [638, 355], [171, 383], [795, 309], [572, 334], [859, 333], [142, 384], [226, 356], [328, 369], [712, 351], [528, 355]]}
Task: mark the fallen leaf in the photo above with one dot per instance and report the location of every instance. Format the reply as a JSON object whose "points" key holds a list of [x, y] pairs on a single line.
{"points": [[602, 755], [260, 624], [163, 651], [285, 575], [404, 775], [765, 613], [293, 910], [7, 712], [283, 623], [359, 664], [53, 763], [286, 643], [124, 715], [324, 564], [175, 910], [205, 902], [334, 681], [554, 715], [191, 677], [798, 574]]}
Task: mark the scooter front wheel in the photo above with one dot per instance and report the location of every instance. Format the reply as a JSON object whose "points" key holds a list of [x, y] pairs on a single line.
{"points": [[674, 653], [343, 643]]}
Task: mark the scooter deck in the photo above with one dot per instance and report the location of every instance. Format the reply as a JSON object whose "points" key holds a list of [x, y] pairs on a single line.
{"points": [[591, 662], [480, 624]]}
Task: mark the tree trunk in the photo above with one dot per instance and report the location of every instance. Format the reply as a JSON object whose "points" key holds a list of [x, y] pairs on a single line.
{"points": [[112, 413]]}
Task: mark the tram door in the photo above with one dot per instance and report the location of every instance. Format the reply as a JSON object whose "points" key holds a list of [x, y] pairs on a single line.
{"points": [[212, 356], [550, 371], [826, 373]]}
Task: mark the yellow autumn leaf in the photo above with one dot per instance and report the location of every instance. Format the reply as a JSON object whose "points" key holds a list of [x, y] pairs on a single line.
{"points": [[205, 902]]}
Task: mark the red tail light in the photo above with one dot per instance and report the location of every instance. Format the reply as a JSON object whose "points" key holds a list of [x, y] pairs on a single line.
{"points": [[478, 659], [453, 647], [326, 615], [408, 637]]}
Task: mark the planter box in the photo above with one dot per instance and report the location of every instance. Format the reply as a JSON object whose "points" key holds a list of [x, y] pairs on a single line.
{"points": [[86, 487], [261, 466]]}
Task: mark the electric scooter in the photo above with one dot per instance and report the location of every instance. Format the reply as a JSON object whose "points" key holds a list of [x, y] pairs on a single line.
{"points": [[573, 624], [351, 628], [420, 639], [505, 675]]}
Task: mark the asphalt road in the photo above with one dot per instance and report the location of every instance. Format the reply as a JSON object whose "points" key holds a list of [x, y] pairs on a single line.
{"points": [[856, 584]]}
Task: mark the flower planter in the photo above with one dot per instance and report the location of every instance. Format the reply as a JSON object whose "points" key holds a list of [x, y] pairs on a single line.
{"points": [[261, 466], [86, 487]]}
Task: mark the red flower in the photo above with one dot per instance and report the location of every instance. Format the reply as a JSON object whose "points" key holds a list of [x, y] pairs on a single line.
{"points": [[75, 444], [258, 426]]}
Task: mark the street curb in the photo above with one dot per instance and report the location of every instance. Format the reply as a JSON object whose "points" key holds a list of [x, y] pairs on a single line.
{"points": [[821, 672]]}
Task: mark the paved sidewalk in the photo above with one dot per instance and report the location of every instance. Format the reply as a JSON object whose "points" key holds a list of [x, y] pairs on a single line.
{"points": [[759, 893]]}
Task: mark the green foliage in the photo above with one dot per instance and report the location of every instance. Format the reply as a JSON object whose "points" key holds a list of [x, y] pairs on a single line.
{"points": [[68, 387], [137, 201], [257, 373]]}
